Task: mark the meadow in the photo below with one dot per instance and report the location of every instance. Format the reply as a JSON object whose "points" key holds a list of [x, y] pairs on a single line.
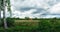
{"points": [[32, 25]]}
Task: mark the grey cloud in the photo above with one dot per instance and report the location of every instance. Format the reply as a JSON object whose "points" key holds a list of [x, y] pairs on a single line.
{"points": [[39, 10], [22, 0], [58, 0], [26, 8], [19, 0], [53, 2], [22, 9]]}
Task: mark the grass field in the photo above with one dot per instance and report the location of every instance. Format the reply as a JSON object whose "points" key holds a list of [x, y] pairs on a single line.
{"points": [[39, 25], [28, 24]]}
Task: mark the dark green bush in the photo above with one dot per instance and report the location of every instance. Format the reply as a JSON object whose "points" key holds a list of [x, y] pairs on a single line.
{"points": [[10, 22], [1, 24], [49, 26]]}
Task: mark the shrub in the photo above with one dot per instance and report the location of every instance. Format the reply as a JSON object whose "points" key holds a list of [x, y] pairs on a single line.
{"points": [[49, 26], [10, 22]]}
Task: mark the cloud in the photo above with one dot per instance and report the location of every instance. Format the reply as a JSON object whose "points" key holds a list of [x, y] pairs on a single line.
{"points": [[35, 8], [55, 9], [30, 3]]}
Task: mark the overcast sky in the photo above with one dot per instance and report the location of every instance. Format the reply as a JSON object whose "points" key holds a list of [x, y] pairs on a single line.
{"points": [[35, 8]]}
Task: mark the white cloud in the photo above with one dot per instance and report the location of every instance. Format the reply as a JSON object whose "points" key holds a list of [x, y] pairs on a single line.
{"points": [[53, 6], [31, 3], [23, 14], [55, 9]]}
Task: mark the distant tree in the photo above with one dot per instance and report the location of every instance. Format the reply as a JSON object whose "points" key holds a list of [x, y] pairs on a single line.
{"points": [[35, 18], [27, 18], [54, 18]]}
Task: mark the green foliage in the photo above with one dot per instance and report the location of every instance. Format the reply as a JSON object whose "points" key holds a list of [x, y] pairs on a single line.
{"points": [[35, 18], [10, 22], [1, 4], [44, 25], [9, 6], [27, 18], [17, 30], [49, 25]]}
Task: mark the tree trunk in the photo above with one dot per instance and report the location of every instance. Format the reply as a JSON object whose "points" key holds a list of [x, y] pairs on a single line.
{"points": [[0, 11], [0, 16], [10, 14], [4, 6]]}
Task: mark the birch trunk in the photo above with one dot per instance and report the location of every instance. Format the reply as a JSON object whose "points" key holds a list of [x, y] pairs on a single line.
{"points": [[4, 6], [0, 11], [0, 16]]}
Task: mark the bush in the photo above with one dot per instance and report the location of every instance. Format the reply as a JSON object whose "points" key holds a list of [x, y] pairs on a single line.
{"points": [[49, 26], [10, 22]]}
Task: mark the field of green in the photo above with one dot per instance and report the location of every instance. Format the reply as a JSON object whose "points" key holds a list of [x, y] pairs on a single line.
{"points": [[32, 25], [27, 24]]}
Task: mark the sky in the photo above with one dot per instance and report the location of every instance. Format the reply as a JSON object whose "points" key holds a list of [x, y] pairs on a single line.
{"points": [[35, 8]]}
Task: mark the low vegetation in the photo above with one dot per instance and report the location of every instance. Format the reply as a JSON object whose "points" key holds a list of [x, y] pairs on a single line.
{"points": [[32, 25]]}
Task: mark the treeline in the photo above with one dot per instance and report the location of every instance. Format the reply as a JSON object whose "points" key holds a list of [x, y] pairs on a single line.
{"points": [[27, 18]]}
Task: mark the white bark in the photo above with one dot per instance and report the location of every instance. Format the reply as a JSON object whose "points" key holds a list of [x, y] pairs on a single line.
{"points": [[4, 6], [0, 16], [10, 14]]}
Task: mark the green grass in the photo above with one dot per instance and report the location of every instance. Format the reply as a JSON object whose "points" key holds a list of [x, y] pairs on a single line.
{"points": [[27, 24], [42, 25]]}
